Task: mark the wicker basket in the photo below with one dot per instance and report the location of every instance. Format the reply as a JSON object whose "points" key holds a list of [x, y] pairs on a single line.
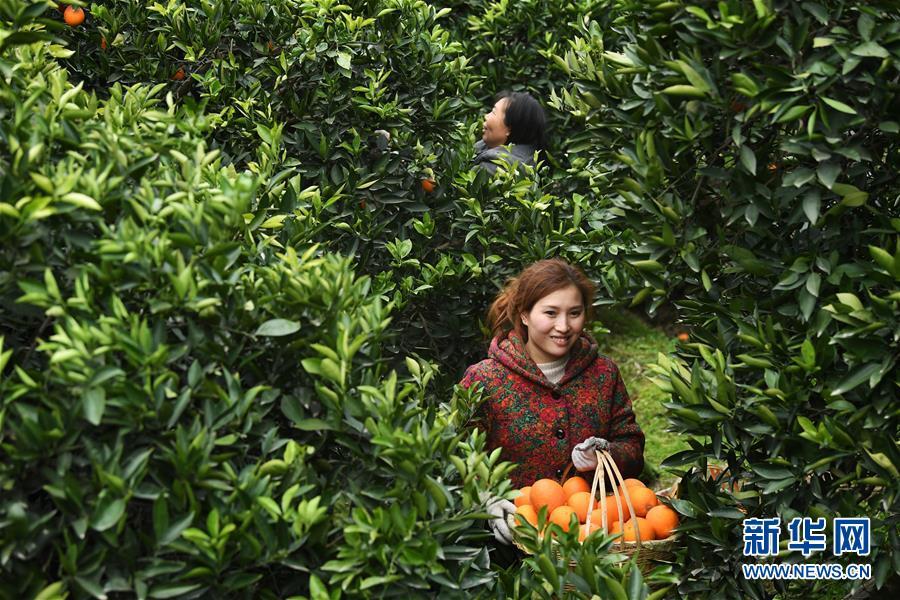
{"points": [[646, 552]]}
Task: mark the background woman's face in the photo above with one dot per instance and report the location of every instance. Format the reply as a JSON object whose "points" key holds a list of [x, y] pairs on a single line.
{"points": [[554, 324], [495, 132]]}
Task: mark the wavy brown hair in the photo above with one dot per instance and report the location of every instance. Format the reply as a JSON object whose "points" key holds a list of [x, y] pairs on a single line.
{"points": [[522, 292]]}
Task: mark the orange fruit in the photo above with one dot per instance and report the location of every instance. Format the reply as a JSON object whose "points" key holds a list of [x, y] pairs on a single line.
{"points": [[631, 482], [580, 502], [615, 529], [684, 336], [524, 497], [638, 525], [428, 185], [583, 530], [561, 515], [73, 16], [546, 492], [575, 484], [527, 512], [663, 520], [612, 511], [642, 499]]}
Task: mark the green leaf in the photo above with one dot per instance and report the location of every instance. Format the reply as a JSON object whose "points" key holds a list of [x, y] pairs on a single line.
{"points": [[744, 84], [884, 462], [772, 472], [313, 425], [850, 300], [94, 401], [343, 60], [647, 265], [270, 505], [793, 113], [81, 200], [687, 91], [107, 514], [859, 375], [808, 353], [870, 50], [882, 257], [828, 173], [54, 591], [855, 199], [278, 327], [813, 281], [748, 159], [173, 590], [175, 529], [840, 106], [811, 205]]}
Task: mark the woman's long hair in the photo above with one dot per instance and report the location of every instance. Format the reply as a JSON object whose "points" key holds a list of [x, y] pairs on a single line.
{"points": [[522, 292], [526, 119]]}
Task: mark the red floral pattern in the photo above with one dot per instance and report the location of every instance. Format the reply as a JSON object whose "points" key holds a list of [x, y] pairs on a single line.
{"points": [[537, 423]]}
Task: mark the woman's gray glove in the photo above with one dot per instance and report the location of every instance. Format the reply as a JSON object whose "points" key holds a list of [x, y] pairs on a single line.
{"points": [[584, 455], [499, 509]]}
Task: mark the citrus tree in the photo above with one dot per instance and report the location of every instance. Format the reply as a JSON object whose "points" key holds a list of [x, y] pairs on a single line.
{"points": [[750, 149], [200, 394]]}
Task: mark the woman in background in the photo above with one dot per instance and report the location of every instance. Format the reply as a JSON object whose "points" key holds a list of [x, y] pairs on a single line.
{"points": [[513, 132]]}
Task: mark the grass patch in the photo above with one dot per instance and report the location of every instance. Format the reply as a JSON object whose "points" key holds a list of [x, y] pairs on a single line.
{"points": [[633, 344]]}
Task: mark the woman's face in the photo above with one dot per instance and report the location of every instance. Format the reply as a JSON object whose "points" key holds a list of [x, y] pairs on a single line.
{"points": [[495, 132], [554, 324]]}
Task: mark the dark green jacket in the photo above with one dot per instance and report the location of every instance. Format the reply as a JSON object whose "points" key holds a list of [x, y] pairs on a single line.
{"points": [[490, 158]]}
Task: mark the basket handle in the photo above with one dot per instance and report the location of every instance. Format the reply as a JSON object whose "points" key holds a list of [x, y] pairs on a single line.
{"points": [[607, 466]]}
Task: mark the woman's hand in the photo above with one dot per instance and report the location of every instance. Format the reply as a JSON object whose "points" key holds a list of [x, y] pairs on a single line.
{"points": [[584, 455], [499, 509]]}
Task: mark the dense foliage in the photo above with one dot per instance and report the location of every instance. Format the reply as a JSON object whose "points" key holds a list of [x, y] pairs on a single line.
{"points": [[751, 149], [232, 314]]}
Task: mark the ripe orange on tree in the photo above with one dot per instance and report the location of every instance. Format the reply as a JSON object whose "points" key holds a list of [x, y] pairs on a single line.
{"points": [[428, 185], [73, 16], [575, 484], [663, 520], [524, 497], [546, 492], [684, 336]]}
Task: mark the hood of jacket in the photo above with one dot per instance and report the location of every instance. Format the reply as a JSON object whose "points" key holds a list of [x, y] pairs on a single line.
{"points": [[509, 350], [523, 153]]}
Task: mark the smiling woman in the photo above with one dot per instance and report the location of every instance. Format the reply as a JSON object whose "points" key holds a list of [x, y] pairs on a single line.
{"points": [[514, 130], [547, 389]]}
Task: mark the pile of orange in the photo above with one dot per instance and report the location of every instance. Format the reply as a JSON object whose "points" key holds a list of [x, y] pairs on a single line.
{"points": [[654, 521]]}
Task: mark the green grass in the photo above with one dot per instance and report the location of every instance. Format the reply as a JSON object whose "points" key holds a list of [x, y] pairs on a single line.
{"points": [[633, 344]]}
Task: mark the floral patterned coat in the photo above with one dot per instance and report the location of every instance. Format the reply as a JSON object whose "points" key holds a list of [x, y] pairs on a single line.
{"points": [[537, 423]]}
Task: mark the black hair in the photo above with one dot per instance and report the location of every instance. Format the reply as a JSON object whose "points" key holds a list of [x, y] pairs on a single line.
{"points": [[525, 118]]}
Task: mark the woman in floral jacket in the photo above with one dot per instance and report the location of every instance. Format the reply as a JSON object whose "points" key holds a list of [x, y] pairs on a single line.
{"points": [[550, 397]]}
